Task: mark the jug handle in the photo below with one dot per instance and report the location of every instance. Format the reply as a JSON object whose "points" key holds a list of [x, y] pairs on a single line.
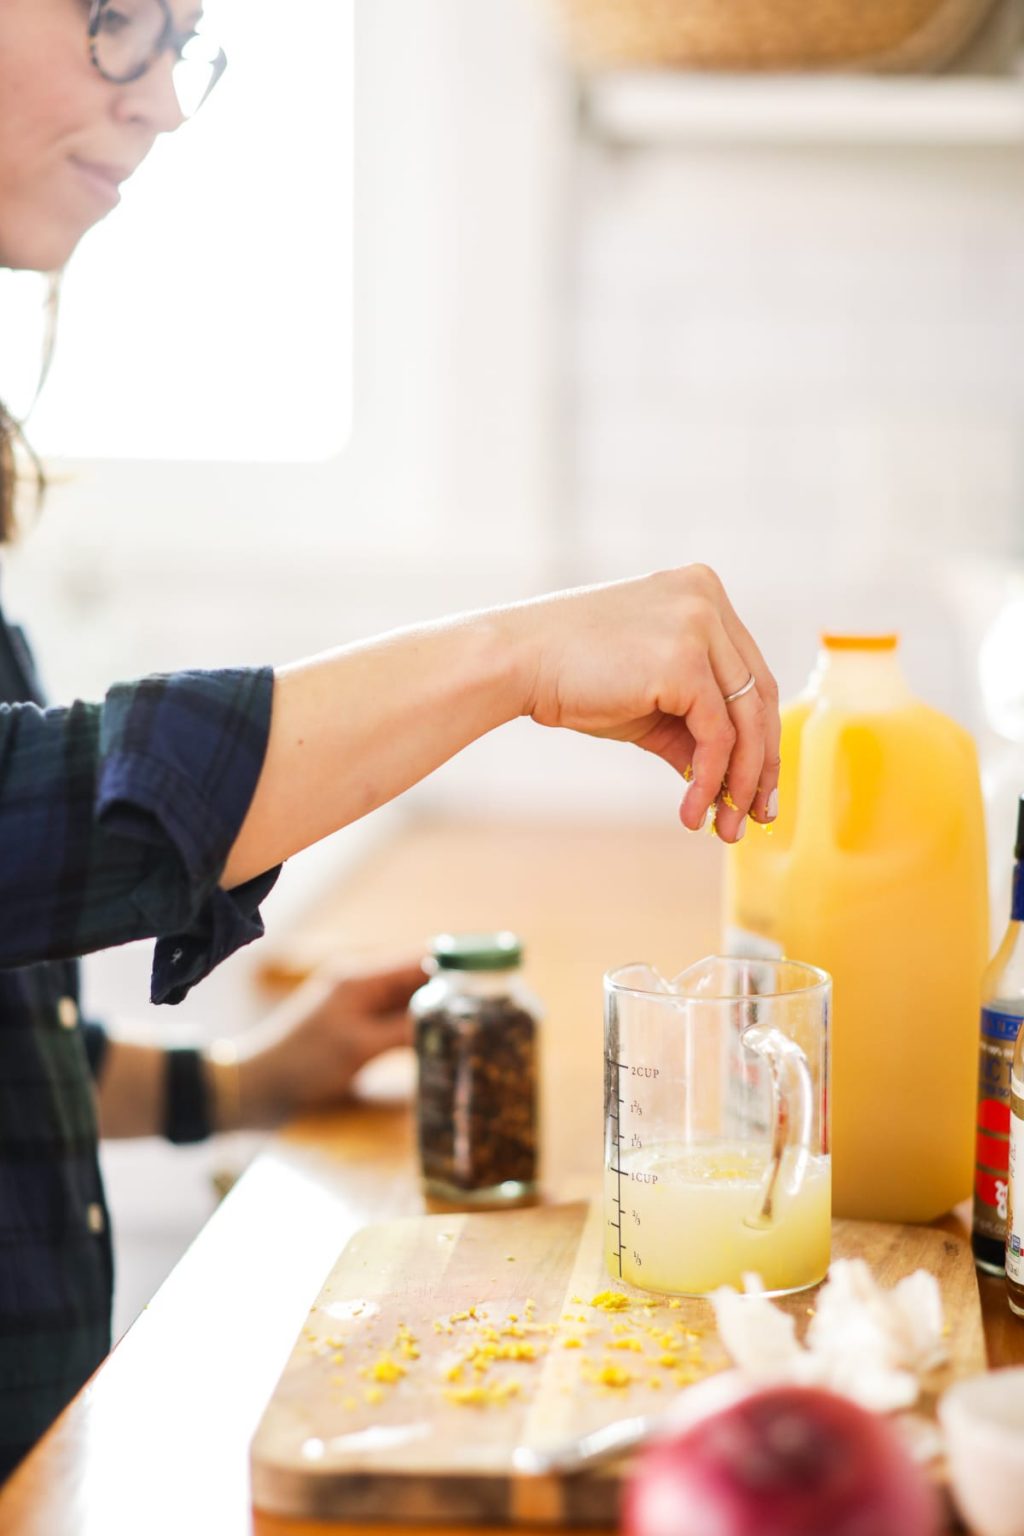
{"points": [[792, 1112]]}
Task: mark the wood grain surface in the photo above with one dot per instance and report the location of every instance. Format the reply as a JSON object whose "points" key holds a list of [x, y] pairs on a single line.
{"points": [[440, 1344]]}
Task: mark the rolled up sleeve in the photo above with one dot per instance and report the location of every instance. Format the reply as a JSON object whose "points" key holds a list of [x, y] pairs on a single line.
{"points": [[116, 821]]}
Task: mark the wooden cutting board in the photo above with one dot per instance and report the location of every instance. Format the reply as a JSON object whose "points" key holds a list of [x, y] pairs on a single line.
{"points": [[441, 1343]]}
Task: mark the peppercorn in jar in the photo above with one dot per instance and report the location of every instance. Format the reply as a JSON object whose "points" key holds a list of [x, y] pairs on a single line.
{"points": [[476, 1049]]}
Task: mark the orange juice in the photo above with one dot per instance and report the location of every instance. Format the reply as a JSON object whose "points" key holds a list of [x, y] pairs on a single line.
{"points": [[876, 872]]}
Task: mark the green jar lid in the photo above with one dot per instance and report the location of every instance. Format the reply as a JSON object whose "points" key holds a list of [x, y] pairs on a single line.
{"points": [[477, 951]]}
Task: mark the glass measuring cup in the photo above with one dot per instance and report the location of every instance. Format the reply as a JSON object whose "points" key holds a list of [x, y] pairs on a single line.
{"points": [[716, 1102]]}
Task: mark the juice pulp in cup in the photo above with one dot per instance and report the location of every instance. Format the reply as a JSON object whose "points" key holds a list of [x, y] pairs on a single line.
{"points": [[696, 1225]]}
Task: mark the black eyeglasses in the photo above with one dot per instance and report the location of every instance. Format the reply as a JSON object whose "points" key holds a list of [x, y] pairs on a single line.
{"points": [[126, 37]]}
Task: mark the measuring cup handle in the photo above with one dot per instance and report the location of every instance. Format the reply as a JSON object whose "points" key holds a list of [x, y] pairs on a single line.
{"points": [[792, 1097], [801, 1099]]}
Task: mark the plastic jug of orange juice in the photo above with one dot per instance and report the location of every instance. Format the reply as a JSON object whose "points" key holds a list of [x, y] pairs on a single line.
{"points": [[876, 872]]}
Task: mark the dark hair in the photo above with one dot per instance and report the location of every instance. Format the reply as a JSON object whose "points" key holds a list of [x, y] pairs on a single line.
{"points": [[12, 433], [6, 476]]}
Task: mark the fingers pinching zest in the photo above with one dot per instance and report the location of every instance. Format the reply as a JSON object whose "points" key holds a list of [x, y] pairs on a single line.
{"points": [[714, 738], [765, 805], [740, 787], [739, 700], [735, 764]]}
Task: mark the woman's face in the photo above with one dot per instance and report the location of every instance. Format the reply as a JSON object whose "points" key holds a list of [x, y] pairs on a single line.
{"points": [[67, 136]]}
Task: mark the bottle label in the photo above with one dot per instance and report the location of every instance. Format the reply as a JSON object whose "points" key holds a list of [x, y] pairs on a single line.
{"points": [[1015, 1204], [992, 1145]]}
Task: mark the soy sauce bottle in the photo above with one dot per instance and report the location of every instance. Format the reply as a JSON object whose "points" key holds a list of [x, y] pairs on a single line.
{"points": [[1015, 1204], [1002, 1014]]}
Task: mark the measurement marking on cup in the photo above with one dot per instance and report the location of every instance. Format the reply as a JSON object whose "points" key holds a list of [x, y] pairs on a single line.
{"points": [[617, 1170]]}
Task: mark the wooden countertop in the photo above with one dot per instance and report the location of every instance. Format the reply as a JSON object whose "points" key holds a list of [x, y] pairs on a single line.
{"points": [[158, 1441]]}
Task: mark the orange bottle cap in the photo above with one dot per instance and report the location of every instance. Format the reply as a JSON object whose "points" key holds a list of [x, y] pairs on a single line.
{"points": [[833, 642]]}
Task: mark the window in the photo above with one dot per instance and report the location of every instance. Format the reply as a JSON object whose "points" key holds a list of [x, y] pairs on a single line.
{"points": [[210, 316]]}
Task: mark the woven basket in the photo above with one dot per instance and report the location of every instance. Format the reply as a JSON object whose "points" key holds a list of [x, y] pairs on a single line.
{"points": [[909, 35]]}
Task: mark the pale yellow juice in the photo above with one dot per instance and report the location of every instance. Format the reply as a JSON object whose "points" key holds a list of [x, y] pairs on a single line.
{"points": [[688, 1218]]}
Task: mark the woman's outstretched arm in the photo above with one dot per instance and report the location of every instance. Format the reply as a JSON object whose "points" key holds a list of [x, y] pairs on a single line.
{"points": [[647, 661]]}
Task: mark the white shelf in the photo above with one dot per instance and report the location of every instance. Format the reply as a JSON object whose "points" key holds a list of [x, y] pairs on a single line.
{"points": [[655, 108]]}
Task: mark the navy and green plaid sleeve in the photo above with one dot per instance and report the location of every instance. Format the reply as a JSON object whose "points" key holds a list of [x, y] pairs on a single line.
{"points": [[116, 821]]}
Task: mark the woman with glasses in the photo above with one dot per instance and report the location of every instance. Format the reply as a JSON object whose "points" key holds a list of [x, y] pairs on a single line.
{"points": [[165, 810]]}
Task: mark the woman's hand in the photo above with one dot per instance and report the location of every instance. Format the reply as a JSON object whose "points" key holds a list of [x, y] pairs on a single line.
{"points": [[650, 661], [308, 1051]]}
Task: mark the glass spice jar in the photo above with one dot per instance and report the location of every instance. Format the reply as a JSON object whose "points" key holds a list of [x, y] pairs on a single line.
{"points": [[477, 1053]]}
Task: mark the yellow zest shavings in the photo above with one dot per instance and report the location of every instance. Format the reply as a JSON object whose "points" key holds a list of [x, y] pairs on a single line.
{"points": [[613, 1376], [386, 1369], [489, 1351], [688, 774], [484, 1368], [524, 1351], [687, 1377], [727, 799], [482, 1394], [406, 1343], [611, 1301]]}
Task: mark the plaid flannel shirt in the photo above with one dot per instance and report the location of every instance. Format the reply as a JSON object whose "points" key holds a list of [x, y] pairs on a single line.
{"points": [[115, 823]]}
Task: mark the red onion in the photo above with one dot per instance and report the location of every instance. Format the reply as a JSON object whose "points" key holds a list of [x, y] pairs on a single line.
{"points": [[785, 1461]]}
